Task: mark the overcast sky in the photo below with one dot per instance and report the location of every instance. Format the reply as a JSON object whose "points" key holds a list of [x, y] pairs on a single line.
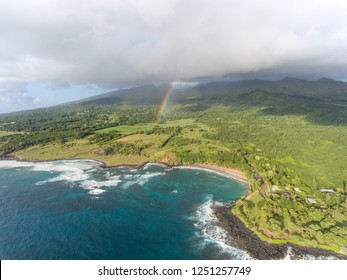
{"points": [[52, 51]]}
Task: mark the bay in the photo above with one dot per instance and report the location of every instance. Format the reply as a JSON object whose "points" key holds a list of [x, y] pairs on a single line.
{"points": [[76, 209]]}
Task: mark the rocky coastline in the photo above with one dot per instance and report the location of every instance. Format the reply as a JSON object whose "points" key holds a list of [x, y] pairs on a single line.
{"points": [[248, 241]]}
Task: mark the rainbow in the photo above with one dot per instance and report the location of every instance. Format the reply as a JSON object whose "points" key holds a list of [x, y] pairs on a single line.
{"points": [[126, 103], [165, 100]]}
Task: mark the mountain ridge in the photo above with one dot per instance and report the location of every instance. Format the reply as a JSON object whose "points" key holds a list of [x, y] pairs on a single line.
{"points": [[325, 89]]}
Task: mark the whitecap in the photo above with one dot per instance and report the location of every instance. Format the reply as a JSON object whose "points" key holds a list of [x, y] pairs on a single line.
{"points": [[148, 165], [133, 179], [70, 171], [112, 177], [150, 175], [54, 179], [142, 182], [63, 166], [127, 176], [127, 184], [202, 169], [145, 167], [211, 233], [126, 168], [96, 191], [68, 175], [144, 178], [9, 164], [133, 170], [292, 256], [92, 184]]}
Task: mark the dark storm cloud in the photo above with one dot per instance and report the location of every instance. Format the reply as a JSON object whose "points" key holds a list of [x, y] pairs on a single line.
{"points": [[112, 43]]}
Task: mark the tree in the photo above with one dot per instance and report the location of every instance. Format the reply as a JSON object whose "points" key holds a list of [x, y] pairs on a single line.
{"points": [[314, 183]]}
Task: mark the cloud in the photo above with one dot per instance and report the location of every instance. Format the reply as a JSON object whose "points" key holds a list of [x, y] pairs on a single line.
{"points": [[18, 99], [116, 43], [14, 97]]}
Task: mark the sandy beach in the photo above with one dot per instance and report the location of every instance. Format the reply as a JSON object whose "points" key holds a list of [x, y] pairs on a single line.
{"points": [[228, 171]]}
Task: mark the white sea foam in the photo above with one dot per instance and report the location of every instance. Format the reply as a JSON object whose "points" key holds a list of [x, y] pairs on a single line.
{"points": [[144, 178], [67, 173], [58, 178], [70, 170], [129, 180], [139, 179], [202, 169], [91, 184], [292, 256], [212, 233], [142, 182], [50, 165], [112, 177], [147, 165], [9, 164], [63, 166], [127, 168], [96, 191], [133, 170], [127, 184], [150, 175]]}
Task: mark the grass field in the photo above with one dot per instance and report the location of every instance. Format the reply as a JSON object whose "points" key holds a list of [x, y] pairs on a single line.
{"points": [[128, 129], [76, 149], [9, 133], [135, 135]]}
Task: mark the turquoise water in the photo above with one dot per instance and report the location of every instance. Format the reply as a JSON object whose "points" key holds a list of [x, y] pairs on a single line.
{"points": [[78, 210]]}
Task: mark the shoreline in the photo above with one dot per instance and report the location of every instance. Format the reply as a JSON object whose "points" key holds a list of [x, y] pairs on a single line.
{"points": [[244, 238], [221, 170], [103, 163], [226, 171], [248, 241]]}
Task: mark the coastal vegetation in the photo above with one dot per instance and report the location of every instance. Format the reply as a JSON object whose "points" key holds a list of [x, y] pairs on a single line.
{"points": [[288, 137]]}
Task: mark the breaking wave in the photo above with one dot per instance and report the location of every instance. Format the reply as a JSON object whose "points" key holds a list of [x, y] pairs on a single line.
{"points": [[116, 205], [202, 169], [211, 234], [294, 256]]}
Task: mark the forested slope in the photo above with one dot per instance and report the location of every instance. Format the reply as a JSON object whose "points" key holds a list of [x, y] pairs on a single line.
{"points": [[292, 133]]}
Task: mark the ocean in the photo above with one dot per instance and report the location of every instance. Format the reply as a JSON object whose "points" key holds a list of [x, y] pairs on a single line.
{"points": [[76, 209]]}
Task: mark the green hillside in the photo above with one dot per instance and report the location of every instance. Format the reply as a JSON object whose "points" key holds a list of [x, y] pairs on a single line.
{"points": [[288, 136]]}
